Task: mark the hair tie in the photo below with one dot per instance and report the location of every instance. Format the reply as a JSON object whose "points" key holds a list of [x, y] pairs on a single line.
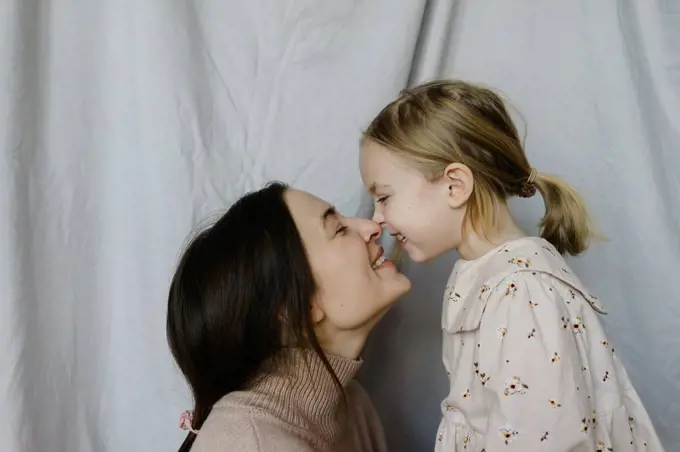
{"points": [[532, 176], [185, 421], [528, 188]]}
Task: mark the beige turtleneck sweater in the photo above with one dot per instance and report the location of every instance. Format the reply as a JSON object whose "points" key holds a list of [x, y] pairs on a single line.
{"points": [[298, 409]]}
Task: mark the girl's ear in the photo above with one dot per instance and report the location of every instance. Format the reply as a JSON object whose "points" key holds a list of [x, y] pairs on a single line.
{"points": [[457, 183]]}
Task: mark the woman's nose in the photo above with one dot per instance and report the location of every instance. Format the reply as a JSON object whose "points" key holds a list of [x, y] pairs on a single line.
{"points": [[368, 229], [378, 217]]}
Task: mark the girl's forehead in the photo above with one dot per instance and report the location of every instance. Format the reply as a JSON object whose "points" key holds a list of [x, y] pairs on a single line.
{"points": [[377, 163]]}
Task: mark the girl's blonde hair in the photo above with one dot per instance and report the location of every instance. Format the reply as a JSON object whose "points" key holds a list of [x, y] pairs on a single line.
{"points": [[442, 122]]}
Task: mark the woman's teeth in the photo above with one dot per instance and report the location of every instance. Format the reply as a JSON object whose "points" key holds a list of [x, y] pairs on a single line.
{"points": [[401, 238], [379, 262]]}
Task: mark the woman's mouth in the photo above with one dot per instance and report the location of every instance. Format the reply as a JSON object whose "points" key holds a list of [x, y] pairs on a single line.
{"points": [[381, 260]]}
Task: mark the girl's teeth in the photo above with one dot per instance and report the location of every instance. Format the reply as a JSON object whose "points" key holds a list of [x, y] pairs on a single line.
{"points": [[379, 262]]}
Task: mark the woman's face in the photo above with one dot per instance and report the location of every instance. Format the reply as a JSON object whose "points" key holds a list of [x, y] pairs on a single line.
{"points": [[356, 284]]}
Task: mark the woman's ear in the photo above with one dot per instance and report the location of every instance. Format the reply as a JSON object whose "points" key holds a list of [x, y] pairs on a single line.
{"points": [[458, 183], [318, 313]]}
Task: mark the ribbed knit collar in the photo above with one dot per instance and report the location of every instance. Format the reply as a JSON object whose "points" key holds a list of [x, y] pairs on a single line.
{"points": [[303, 393]]}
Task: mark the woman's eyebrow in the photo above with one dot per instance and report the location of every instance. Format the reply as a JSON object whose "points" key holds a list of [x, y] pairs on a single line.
{"points": [[331, 212]]}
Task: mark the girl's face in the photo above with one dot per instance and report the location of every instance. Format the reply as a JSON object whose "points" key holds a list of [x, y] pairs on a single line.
{"points": [[356, 284], [425, 217]]}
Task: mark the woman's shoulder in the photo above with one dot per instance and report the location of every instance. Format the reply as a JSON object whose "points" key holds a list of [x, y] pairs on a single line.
{"points": [[236, 426], [356, 392], [235, 423], [366, 431], [227, 426], [358, 399]]}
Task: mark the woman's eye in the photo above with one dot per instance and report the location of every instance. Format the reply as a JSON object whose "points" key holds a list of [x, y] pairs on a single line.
{"points": [[342, 230], [381, 199]]}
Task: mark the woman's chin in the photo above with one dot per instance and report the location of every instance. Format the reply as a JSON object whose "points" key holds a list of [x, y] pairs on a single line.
{"points": [[405, 283], [399, 286]]}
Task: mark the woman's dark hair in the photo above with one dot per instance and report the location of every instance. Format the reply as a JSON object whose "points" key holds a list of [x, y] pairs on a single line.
{"points": [[242, 287]]}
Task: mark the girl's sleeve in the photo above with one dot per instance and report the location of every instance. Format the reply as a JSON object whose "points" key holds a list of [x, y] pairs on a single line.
{"points": [[530, 364]]}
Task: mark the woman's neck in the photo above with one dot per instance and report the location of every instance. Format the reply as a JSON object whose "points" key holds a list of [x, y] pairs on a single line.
{"points": [[475, 245], [346, 344]]}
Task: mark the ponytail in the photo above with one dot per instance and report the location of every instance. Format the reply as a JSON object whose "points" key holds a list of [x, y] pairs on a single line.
{"points": [[566, 223]]}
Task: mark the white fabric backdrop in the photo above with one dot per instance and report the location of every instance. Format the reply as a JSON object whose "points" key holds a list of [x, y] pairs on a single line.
{"points": [[123, 123], [598, 83]]}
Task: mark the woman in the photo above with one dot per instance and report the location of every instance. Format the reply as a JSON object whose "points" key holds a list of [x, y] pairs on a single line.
{"points": [[267, 315]]}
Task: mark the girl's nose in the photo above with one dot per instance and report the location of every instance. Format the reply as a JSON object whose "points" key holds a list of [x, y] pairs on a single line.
{"points": [[368, 229]]}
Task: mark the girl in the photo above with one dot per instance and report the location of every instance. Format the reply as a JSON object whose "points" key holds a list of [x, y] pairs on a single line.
{"points": [[267, 315], [530, 367]]}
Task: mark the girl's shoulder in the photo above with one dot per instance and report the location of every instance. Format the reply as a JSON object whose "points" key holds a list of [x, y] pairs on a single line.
{"points": [[523, 258], [535, 257], [473, 283], [521, 254]]}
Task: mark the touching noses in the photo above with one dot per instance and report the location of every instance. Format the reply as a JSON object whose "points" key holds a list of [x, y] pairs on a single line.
{"points": [[368, 229], [373, 231], [378, 217]]}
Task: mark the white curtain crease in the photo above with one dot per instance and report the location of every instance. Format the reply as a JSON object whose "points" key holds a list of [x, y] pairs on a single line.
{"points": [[125, 123]]}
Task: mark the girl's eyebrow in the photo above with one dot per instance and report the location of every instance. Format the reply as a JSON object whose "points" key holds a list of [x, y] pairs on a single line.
{"points": [[374, 187]]}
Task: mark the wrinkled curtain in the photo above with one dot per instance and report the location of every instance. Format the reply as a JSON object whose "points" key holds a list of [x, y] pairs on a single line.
{"points": [[124, 123]]}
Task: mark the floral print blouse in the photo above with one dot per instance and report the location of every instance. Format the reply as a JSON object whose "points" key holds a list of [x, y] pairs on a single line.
{"points": [[530, 367]]}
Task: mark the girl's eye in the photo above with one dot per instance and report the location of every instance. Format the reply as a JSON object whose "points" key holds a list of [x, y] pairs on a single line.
{"points": [[342, 230], [382, 199]]}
